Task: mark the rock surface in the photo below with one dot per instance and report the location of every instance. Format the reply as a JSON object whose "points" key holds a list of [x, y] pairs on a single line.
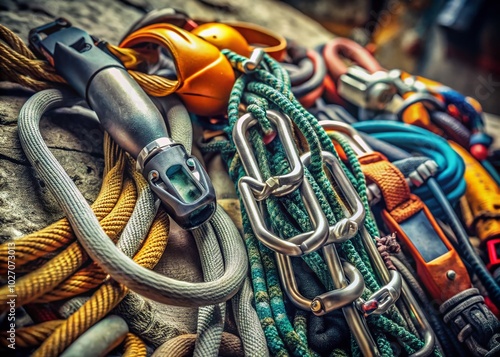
{"points": [[75, 139]]}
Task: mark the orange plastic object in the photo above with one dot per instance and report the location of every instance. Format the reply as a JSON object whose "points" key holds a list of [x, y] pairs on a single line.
{"points": [[272, 43], [204, 76], [434, 274], [445, 275], [223, 36]]}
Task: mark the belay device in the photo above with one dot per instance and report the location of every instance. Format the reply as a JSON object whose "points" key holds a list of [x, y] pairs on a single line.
{"points": [[131, 118]]}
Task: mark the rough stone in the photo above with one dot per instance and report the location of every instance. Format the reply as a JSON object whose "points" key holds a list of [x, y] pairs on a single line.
{"points": [[26, 204]]}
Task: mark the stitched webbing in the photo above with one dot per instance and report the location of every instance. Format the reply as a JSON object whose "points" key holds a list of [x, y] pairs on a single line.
{"points": [[399, 201]]}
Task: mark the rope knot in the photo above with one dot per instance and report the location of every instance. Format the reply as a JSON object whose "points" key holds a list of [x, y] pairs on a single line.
{"points": [[386, 246]]}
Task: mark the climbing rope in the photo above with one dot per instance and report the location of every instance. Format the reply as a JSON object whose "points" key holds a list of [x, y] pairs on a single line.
{"points": [[265, 88], [18, 64]]}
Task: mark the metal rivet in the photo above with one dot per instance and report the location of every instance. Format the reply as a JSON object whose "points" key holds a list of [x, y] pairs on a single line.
{"points": [[190, 162], [450, 274], [316, 306], [154, 175]]}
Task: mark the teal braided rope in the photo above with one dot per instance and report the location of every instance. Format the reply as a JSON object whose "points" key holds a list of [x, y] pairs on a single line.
{"points": [[277, 92], [261, 296], [270, 308]]}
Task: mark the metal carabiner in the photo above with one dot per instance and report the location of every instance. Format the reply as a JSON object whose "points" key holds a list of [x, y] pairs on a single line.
{"points": [[380, 301], [253, 188], [276, 185], [347, 227], [328, 301], [379, 264]]}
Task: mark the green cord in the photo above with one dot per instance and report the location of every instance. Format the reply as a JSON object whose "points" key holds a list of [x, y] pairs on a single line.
{"points": [[270, 89]]}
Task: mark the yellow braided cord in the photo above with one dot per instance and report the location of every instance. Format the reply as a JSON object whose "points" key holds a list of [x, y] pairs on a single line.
{"points": [[98, 306], [35, 284], [18, 64], [82, 281], [134, 346], [108, 295], [15, 42], [32, 336], [154, 85], [59, 234]]}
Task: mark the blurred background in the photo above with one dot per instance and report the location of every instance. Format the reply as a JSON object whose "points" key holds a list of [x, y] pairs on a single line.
{"points": [[456, 42]]}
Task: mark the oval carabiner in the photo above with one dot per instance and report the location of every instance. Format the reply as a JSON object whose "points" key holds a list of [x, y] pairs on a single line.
{"points": [[308, 243], [347, 227], [276, 185], [204, 75]]}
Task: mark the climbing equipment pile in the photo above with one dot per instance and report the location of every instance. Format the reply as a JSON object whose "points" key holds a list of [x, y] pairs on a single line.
{"points": [[356, 192]]}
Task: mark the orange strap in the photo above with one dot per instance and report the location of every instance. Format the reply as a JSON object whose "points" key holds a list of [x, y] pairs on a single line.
{"points": [[399, 201]]}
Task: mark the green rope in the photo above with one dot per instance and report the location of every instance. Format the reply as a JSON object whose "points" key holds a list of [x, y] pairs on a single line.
{"points": [[269, 88]]}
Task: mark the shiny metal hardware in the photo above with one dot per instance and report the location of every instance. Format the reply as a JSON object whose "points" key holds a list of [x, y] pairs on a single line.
{"points": [[368, 90], [253, 188], [380, 301], [358, 144], [361, 148], [253, 62], [346, 291], [276, 185], [326, 302], [312, 241], [347, 227], [335, 299], [150, 150]]}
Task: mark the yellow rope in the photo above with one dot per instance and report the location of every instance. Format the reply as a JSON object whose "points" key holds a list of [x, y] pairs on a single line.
{"points": [[32, 336], [33, 285], [80, 282], [134, 346], [108, 295], [59, 277], [59, 234], [18, 64]]}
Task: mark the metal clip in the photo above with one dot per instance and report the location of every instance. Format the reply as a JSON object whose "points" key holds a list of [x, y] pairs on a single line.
{"points": [[380, 301], [361, 148], [179, 180], [347, 227], [276, 185], [252, 188], [367, 90]]}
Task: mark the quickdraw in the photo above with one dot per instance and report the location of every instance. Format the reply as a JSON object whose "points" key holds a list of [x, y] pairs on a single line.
{"points": [[313, 191]]}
